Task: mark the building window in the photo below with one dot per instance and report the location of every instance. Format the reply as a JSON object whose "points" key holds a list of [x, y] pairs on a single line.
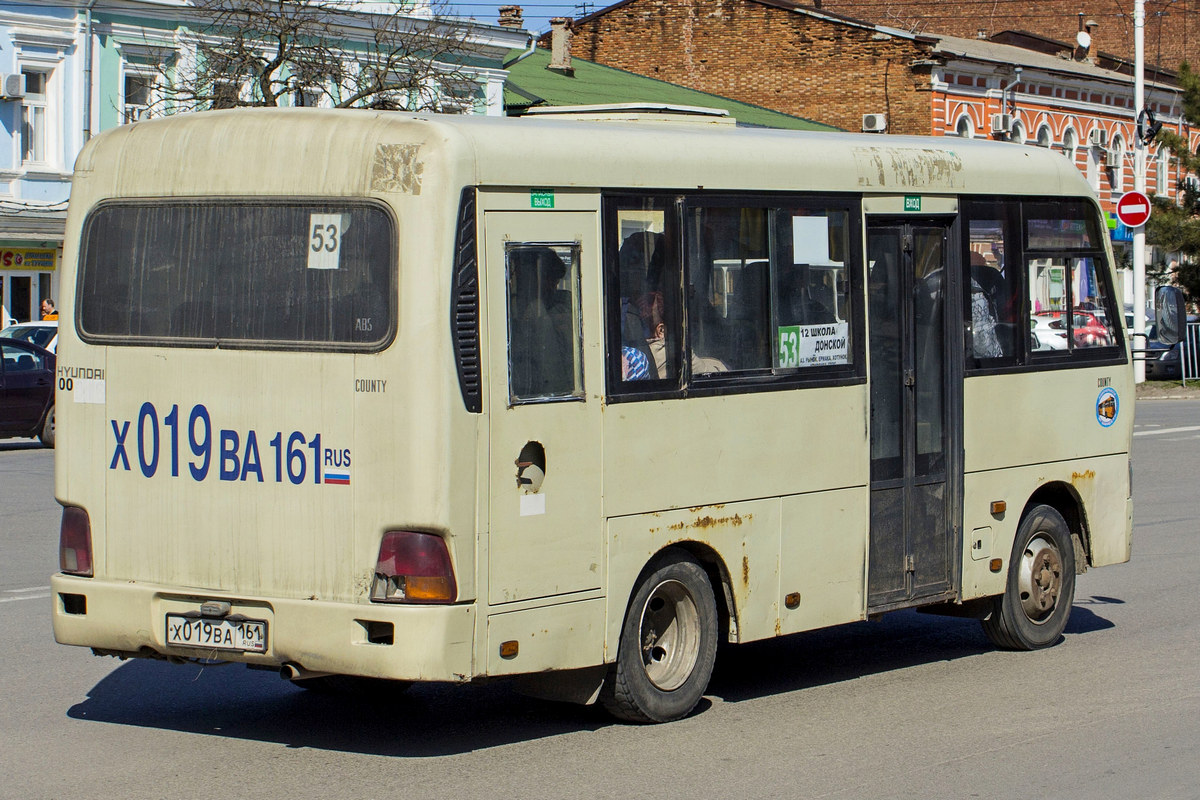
{"points": [[1044, 139], [1018, 133], [137, 97], [225, 94], [306, 98], [35, 128], [1070, 144], [964, 127], [1116, 161]]}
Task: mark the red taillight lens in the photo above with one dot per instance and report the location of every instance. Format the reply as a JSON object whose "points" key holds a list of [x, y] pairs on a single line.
{"points": [[413, 568], [75, 542]]}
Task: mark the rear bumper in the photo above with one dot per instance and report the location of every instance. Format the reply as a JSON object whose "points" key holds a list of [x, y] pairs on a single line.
{"points": [[428, 643]]}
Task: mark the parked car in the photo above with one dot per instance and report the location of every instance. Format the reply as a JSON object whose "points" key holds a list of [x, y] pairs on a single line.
{"points": [[26, 391], [43, 334], [1049, 332], [1090, 329], [1165, 363]]}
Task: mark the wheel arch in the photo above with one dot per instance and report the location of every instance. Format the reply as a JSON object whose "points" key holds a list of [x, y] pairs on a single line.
{"points": [[1064, 499], [718, 576]]}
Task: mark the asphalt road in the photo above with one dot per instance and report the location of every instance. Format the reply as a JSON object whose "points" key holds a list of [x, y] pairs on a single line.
{"points": [[906, 707]]}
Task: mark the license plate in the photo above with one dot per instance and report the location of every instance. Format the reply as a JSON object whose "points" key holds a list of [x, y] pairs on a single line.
{"points": [[242, 635]]}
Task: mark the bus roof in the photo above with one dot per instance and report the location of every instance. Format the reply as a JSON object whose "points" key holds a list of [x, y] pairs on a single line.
{"points": [[365, 153]]}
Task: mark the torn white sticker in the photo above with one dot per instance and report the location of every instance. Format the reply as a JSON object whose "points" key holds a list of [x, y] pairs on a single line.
{"points": [[533, 504], [87, 390]]}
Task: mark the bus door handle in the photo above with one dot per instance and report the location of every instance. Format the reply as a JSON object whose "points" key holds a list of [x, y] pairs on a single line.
{"points": [[910, 378]]}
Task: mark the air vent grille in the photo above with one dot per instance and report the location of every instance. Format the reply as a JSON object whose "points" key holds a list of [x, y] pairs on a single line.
{"points": [[464, 315]]}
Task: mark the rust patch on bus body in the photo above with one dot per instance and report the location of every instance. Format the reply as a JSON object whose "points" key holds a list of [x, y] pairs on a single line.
{"points": [[713, 522], [707, 521], [746, 570], [908, 167], [1076, 477]]}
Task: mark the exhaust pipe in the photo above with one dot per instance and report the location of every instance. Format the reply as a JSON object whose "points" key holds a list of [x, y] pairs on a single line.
{"points": [[292, 671]]}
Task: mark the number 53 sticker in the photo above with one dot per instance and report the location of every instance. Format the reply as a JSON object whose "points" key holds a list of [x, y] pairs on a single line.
{"points": [[325, 233]]}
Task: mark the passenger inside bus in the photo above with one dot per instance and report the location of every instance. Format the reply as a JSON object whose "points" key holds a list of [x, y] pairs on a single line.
{"points": [[641, 259], [540, 324]]}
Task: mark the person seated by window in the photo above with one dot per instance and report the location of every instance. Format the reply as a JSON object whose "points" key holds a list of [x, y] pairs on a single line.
{"points": [[985, 340], [635, 366], [658, 350], [541, 319], [640, 260]]}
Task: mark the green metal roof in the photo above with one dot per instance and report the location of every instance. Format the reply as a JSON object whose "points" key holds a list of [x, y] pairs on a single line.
{"points": [[530, 83]]}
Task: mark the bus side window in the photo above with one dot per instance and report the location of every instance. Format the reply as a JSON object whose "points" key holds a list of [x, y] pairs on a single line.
{"points": [[768, 288], [1071, 304], [994, 291], [644, 318], [545, 354]]}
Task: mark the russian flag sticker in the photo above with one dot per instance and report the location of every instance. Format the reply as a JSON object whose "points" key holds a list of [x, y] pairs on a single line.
{"points": [[339, 478]]}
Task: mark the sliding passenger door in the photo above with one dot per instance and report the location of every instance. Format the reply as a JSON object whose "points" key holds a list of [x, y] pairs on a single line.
{"points": [[913, 386]]}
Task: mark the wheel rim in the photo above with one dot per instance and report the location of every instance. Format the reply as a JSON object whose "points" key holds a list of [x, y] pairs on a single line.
{"points": [[670, 635], [1041, 579]]}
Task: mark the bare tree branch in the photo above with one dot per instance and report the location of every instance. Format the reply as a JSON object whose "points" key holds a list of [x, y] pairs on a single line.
{"points": [[315, 52]]}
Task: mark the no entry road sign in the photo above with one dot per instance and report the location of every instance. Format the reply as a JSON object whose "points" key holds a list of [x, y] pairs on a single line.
{"points": [[1133, 209]]}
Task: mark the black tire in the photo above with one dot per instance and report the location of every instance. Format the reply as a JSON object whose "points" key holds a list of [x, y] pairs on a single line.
{"points": [[47, 433], [668, 643], [1036, 603]]}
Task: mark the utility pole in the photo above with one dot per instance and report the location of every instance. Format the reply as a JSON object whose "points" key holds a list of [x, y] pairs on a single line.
{"points": [[1139, 183]]}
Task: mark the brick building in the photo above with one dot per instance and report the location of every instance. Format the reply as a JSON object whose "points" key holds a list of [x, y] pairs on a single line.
{"points": [[771, 53], [805, 61], [1171, 33]]}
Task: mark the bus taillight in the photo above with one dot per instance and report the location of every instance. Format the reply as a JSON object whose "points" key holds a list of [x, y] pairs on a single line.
{"points": [[413, 568], [75, 542]]}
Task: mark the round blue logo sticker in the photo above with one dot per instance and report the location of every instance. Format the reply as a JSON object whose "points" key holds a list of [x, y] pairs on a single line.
{"points": [[1107, 407]]}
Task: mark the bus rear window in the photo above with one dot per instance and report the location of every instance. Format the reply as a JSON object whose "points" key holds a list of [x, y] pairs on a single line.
{"points": [[279, 275]]}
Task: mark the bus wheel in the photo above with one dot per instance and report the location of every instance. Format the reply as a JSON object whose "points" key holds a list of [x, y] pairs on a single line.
{"points": [[1036, 603], [668, 643]]}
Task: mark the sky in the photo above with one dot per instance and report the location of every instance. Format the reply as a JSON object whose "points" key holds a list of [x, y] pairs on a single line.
{"points": [[537, 13]]}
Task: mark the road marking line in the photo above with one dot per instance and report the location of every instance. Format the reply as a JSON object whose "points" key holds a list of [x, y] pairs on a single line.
{"points": [[1161, 431], [42, 596], [30, 589]]}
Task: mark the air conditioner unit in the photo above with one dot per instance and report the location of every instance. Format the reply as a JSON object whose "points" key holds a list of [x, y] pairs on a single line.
{"points": [[874, 123], [12, 85], [1112, 158], [1098, 137], [1002, 123]]}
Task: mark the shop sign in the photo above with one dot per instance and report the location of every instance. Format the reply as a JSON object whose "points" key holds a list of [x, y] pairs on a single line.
{"points": [[28, 258]]}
